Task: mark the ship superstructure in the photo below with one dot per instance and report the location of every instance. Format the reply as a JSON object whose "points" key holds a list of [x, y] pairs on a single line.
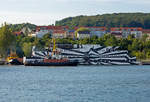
{"points": [[51, 57], [93, 55]]}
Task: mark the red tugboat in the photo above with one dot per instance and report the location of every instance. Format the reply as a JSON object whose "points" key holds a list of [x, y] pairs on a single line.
{"points": [[54, 60]]}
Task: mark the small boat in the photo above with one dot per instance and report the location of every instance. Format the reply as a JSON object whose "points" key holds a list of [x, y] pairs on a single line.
{"points": [[14, 60]]}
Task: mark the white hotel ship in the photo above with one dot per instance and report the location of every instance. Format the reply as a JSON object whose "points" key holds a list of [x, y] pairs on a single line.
{"points": [[93, 55]]}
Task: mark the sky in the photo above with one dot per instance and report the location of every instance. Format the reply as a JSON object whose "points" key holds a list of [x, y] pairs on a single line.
{"points": [[45, 12]]}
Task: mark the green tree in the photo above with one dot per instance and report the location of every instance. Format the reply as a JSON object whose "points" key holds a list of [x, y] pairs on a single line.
{"points": [[112, 41], [85, 41], [81, 29], [18, 27], [123, 43], [135, 45], [148, 54], [94, 40], [27, 49], [140, 55], [47, 36], [7, 40], [144, 37], [147, 44]]}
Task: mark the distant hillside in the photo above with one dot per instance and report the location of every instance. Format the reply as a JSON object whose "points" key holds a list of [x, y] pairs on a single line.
{"points": [[18, 27], [109, 20]]}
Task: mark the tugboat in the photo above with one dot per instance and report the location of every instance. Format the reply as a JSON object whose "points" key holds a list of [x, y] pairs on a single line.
{"points": [[14, 60], [54, 60]]}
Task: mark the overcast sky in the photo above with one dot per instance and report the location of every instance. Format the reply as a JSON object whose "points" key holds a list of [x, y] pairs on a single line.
{"points": [[44, 12]]}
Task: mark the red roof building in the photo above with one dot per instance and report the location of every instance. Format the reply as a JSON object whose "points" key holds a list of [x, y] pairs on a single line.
{"points": [[71, 34], [126, 31], [92, 28], [117, 35], [97, 28], [42, 30], [59, 34], [38, 28], [147, 31], [95, 31], [18, 33]]}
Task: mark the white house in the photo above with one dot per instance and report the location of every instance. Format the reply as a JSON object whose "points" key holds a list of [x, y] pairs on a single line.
{"points": [[126, 31], [41, 33], [42, 30], [98, 31], [83, 34], [59, 34]]}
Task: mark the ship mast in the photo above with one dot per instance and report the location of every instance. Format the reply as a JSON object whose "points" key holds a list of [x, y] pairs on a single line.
{"points": [[54, 47]]}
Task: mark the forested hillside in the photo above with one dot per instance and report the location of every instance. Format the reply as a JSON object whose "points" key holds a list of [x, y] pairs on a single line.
{"points": [[18, 27], [109, 20]]}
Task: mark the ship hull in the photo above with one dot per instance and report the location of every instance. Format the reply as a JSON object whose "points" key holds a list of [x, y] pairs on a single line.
{"points": [[17, 61], [49, 62]]}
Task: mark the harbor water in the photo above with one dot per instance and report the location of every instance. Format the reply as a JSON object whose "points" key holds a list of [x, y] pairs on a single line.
{"points": [[75, 84]]}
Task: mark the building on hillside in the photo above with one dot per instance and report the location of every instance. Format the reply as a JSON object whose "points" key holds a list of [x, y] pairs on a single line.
{"points": [[45, 28], [147, 31], [126, 31], [117, 35], [83, 34], [18, 33], [59, 34], [42, 30], [71, 34], [32, 33], [76, 28], [26, 31], [97, 31]]}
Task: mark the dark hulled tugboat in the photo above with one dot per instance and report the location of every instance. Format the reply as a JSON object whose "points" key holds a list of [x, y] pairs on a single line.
{"points": [[54, 60], [14, 60]]}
